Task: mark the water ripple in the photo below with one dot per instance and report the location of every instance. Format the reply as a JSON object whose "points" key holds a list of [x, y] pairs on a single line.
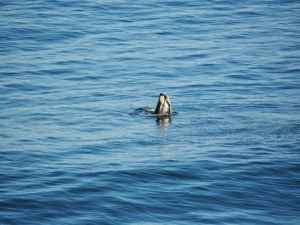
{"points": [[74, 149]]}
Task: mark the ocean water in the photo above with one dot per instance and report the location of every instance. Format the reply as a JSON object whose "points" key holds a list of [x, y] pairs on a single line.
{"points": [[76, 149]]}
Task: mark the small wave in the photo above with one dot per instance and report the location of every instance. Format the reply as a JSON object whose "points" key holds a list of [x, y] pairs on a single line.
{"points": [[148, 111], [145, 111]]}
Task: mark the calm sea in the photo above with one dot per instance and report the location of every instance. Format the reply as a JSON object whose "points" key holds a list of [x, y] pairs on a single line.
{"points": [[75, 149]]}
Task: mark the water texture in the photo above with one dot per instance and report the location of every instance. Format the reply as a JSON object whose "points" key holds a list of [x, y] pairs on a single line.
{"points": [[74, 149]]}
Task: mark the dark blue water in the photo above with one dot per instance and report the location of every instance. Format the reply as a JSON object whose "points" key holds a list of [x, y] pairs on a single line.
{"points": [[74, 149]]}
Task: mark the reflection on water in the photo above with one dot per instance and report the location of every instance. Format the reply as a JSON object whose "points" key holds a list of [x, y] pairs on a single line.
{"points": [[165, 148], [164, 120]]}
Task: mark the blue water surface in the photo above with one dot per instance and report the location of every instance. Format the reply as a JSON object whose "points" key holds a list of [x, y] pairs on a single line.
{"points": [[74, 149]]}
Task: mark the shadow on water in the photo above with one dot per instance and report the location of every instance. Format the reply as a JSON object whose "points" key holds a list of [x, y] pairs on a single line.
{"points": [[164, 123], [164, 126], [164, 120]]}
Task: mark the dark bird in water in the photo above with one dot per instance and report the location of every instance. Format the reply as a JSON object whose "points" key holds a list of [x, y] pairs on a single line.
{"points": [[163, 106]]}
